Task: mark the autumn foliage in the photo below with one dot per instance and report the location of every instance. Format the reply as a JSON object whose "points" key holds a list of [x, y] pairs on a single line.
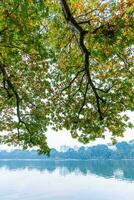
{"points": [[65, 64]]}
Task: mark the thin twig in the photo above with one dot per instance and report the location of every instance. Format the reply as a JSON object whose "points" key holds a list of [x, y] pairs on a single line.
{"points": [[72, 81]]}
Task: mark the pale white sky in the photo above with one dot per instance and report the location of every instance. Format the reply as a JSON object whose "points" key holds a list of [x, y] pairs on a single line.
{"points": [[57, 139]]}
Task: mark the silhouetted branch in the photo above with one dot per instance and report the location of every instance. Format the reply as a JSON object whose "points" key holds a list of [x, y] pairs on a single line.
{"points": [[84, 100], [7, 80], [70, 19], [72, 81]]}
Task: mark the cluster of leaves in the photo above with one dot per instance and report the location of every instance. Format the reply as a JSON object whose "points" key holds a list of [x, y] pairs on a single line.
{"points": [[23, 69], [45, 79], [108, 38]]}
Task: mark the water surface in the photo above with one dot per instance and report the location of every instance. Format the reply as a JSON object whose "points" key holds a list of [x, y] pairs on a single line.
{"points": [[66, 180]]}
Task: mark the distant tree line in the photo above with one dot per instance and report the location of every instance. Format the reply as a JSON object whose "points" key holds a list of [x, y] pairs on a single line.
{"points": [[121, 150]]}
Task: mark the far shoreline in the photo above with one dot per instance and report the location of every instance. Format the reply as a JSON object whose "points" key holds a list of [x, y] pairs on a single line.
{"points": [[33, 159]]}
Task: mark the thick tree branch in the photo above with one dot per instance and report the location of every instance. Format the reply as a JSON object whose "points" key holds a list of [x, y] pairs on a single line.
{"points": [[70, 19], [6, 80]]}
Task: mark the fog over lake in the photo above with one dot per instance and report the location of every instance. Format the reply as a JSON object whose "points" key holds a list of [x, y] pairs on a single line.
{"points": [[66, 180]]}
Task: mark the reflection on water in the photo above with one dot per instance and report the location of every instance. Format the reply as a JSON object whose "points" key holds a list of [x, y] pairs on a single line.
{"points": [[123, 170], [66, 180]]}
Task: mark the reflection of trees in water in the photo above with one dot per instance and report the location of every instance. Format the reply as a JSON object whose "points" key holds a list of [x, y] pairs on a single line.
{"points": [[106, 168]]}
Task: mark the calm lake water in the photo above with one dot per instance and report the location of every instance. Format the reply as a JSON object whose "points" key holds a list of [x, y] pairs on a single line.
{"points": [[66, 180]]}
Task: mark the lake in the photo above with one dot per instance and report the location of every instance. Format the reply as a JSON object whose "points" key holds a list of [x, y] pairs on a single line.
{"points": [[66, 180]]}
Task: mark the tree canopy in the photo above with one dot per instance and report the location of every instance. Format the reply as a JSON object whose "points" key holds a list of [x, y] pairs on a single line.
{"points": [[65, 64]]}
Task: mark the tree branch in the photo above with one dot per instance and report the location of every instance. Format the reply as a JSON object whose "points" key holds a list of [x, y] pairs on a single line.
{"points": [[6, 80], [79, 86], [70, 19], [84, 100], [72, 81]]}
